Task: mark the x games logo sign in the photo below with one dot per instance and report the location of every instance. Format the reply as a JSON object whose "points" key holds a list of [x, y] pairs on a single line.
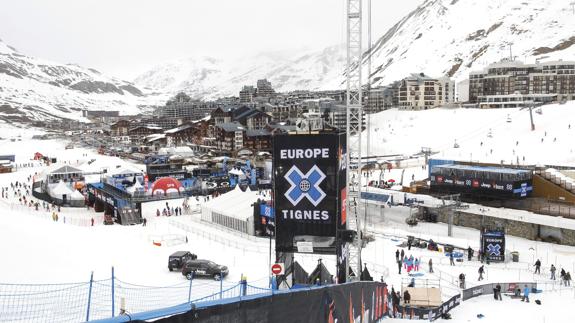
{"points": [[305, 185]]}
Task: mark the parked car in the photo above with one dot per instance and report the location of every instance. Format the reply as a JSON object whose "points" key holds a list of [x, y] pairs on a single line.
{"points": [[206, 268], [179, 258]]}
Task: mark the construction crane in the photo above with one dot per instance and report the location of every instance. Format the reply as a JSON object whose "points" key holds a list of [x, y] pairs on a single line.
{"points": [[354, 125]]}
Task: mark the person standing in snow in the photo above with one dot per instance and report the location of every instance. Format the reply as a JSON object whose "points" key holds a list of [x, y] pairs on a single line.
{"points": [[552, 270], [405, 262], [394, 301], [402, 254], [525, 294], [430, 265], [399, 266], [451, 262], [497, 292], [416, 264], [538, 267], [568, 279], [397, 255], [480, 271], [406, 297], [462, 281], [469, 253]]}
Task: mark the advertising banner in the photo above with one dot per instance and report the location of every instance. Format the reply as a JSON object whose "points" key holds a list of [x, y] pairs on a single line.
{"points": [[267, 211], [347, 303], [487, 289], [307, 189], [486, 187], [493, 244]]}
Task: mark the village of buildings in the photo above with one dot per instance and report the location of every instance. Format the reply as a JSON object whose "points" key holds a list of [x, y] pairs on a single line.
{"points": [[228, 125]]}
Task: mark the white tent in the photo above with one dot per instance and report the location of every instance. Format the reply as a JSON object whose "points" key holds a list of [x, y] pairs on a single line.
{"points": [[59, 190], [77, 196], [233, 209], [135, 188]]}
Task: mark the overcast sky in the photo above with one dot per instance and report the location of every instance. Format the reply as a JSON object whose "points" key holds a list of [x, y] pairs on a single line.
{"points": [[126, 37]]}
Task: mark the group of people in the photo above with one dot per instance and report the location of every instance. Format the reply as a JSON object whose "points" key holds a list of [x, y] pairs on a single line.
{"points": [[396, 300], [563, 275], [169, 212], [409, 263]]}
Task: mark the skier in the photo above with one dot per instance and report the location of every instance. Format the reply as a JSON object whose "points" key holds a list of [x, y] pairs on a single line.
{"points": [[562, 274], [480, 271], [416, 263], [430, 265], [399, 266], [552, 270], [451, 262], [469, 253], [538, 267], [397, 255], [462, 281], [568, 279], [402, 253]]}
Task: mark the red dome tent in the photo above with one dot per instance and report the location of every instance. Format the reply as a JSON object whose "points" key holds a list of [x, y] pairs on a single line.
{"points": [[167, 185]]}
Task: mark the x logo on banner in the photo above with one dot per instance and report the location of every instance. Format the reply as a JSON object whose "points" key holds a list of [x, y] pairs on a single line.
{"points": [[305, 185], [494, 250]]}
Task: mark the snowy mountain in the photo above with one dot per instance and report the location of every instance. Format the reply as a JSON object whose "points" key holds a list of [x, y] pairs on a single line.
{"points": [[35, 89], [209, 78], [440, 37], [454, 37]]}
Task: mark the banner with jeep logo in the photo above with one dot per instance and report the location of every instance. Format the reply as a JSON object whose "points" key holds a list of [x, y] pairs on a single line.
{"points": [[307, 176]]}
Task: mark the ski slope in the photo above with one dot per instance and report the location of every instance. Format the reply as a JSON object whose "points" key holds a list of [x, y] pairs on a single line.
{"points": [[483, 135]]}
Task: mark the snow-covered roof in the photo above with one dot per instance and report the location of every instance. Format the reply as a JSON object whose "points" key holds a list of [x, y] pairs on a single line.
{"points": [[230, 126], [60, 189], [76, 195], [155, 137], [183, 151], [235, 203], [124, 170]]}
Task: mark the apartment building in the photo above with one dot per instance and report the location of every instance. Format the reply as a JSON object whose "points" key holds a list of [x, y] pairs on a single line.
{"points": [[513, 81], [421, 92]]}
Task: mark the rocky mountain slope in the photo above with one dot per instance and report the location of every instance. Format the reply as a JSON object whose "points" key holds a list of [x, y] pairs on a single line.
{"points": [[454, 37], [35, 89], [440, 37]]}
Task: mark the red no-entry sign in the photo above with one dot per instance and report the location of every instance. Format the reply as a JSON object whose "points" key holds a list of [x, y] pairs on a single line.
{"points": [[278, 269]]}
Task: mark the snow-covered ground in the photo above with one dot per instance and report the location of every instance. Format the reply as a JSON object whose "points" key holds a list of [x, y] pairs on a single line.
{"points": [[69, 252], [406, 132]]}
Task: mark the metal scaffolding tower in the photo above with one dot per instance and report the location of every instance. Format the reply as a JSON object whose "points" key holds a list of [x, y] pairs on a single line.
{"points": [[353, 128]]}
